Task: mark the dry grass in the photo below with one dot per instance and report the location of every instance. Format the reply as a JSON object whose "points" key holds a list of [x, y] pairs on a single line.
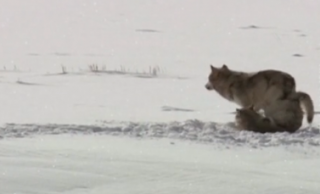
{"points": [[64, 69], [152, 70]]}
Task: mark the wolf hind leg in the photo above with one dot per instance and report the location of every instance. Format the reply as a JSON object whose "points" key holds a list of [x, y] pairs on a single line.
{"points": [[273, 94]]}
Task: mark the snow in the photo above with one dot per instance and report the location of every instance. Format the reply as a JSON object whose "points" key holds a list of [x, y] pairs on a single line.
{"points": [[220, 134], [144, 122], [91, 164]]}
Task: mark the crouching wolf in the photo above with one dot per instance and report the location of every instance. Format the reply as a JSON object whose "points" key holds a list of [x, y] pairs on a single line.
{"points": [[263, 89], [280, 116], [248, 119]]}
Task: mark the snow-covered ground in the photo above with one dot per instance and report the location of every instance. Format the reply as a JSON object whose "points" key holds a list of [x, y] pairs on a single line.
{"points": [[144, 123], [103, 164]]}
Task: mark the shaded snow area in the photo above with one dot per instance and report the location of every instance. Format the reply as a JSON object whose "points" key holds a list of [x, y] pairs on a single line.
{"points": [[108, 96], [222, 135]]}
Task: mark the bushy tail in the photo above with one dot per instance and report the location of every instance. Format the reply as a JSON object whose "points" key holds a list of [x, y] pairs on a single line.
{"points": [[307, 105]]}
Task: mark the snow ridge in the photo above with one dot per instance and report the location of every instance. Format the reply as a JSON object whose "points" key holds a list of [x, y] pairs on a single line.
{"points": [[194, 130]]}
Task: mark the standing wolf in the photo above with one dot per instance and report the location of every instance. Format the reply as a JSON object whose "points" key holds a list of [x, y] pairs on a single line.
{"points": [[261, 89]]}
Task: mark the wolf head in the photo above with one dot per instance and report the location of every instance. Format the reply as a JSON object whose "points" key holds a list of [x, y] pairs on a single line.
{"points": [[216, 76]]}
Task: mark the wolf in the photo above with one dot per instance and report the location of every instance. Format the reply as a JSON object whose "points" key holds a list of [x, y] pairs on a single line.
{"points": [[248, 119], [281, 116], [260, 89], [288, 113]]}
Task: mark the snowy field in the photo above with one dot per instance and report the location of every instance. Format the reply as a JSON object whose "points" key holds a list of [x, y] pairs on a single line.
{"points": [[109, 97]]}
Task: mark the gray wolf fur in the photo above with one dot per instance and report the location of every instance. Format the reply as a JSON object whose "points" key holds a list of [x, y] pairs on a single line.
{"points": [[260, 89], [280, 116], [250, 120], [288, 113]]}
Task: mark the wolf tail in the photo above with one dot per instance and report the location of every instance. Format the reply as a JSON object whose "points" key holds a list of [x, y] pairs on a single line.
{"points": [[307, 105]]}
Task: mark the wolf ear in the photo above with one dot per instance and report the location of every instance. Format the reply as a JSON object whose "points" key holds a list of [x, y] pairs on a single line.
{"points": [[214, 72], [225, 67], [212, 68]]}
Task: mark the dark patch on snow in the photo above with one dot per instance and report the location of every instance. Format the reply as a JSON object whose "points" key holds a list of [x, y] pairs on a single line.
{"points": [[219, 134], [254, 27], [27, 83], [148, 30], [64, 74], [145, 76], [297, 55], [251, 27], [170, 108]]}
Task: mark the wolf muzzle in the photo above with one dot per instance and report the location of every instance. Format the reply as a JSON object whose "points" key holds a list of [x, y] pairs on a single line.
{"points": [[209, 86]]}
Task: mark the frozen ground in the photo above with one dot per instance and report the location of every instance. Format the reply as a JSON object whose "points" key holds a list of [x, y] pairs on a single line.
{"points": [[143, 121], [102, 164]]}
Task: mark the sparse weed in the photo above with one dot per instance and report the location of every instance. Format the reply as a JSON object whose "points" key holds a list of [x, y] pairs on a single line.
{"points": [[94, 68], [153, 71], [64, 69], [14, 68]]}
